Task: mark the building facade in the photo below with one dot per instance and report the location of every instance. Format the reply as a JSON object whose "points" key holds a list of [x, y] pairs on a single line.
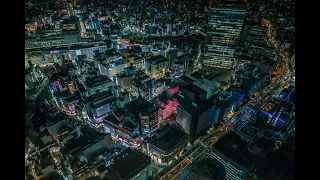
{"points": [[167, 144], [194, 111], [223, 34], [156, 66]]}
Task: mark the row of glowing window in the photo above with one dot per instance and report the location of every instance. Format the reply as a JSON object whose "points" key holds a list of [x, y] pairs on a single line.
{"points": [[218, 61], [224, 34], [224, 27], [219, 57], [223, 41], [225, 20], [220, 49], [228, 12], [214, 60], [226, 24], [229, 31]]}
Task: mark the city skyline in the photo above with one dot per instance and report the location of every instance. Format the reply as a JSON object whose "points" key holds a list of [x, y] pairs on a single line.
{"points": [[155, 89]]}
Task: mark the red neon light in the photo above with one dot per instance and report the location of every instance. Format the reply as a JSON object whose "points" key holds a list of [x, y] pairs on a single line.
{"points": [[170, 108], [56, 82], [174, 90]]}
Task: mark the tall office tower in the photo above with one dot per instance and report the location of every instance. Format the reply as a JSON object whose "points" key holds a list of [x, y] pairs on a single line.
{"points": [[225, 24], [194, 111]]}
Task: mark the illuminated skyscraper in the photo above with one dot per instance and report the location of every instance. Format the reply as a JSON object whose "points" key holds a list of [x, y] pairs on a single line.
{"points": [[225, 24]]}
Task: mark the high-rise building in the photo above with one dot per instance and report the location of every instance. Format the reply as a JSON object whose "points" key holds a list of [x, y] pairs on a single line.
{"points": [[225, 24], [194, 111]]}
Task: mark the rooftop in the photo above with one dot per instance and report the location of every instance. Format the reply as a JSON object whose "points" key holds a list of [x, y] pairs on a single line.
{"points": [[123, 75], [227, 4], [185, 80], [245, 57], [212, 76], [59, 76], [124, 169], [89, 136], [63, 94], [101, 98], [57, 118], [86, 45], [265, 143], [140, 105], [128, 125], [288, 95], [119, 113], [167, 137], [200, 74], [233, 147], [112, 119], [156, 59], [94, 81], [206, 168], [106, 55], [46, 159], [195, 89]]}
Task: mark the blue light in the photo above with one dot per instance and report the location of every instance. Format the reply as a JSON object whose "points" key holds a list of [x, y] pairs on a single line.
{"points": [[287, 101]]}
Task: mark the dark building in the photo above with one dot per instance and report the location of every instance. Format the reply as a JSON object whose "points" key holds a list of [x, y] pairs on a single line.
{"points": [[85, 143], [195, 111], [252, 35], [144, 114], [185, 81], [120, 169], [204, 169], [233, 153], [166, 144], [221, 108]]}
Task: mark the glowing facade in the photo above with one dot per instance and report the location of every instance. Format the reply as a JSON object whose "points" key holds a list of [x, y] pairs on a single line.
{"points": [[223, 33], [167, 108]]}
